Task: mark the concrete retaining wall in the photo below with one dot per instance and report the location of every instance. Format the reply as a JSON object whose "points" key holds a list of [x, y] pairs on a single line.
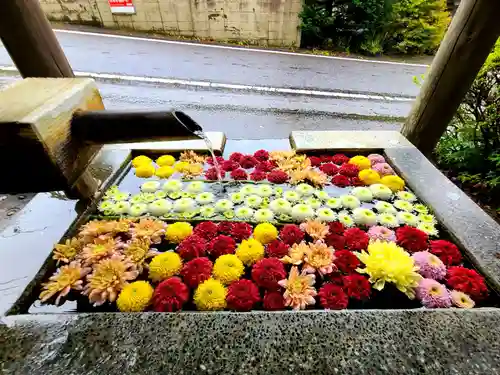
{"points": [[262, 22]]}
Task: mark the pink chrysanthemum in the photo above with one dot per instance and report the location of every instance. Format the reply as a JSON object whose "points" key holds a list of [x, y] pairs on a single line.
{"points": [[431, 267], [433, 294], [383, 169], [382, 234], [376, 158]]}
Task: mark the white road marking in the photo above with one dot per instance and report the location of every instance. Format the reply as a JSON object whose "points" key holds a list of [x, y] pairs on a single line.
{"points": [[194, 44], [109, 77]]}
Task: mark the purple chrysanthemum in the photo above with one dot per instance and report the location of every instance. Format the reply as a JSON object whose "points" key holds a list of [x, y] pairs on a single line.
{"points": [[376, 158], [382, 234], [433, 294], [383, 169], [431, 267]]}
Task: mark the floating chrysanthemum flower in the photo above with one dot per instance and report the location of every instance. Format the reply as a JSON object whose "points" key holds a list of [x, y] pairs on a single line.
{"points": [[461, 300], [273, 301], [383, 169], [138, 251], [421, 208], [446, 251], [108, 279], [301, 212], [165, 160], [176, 232], [121, 208], [265, 233], [221, 245], [305, 190], [313, 203], [159, 207], [430, 229], [341, 181], [223, 205], [408, 218], [329, 168], [277, 249], [228, 268], [430, 266], [332, 297], [346, 219], [165, 265], [149, 228], [263, 215], [376, 158], [172, 186], [184, 205], [325, 214], [364, 216], [381, 234], [403, 205], [253, 201], [101, 248], [280, 206], [261, 155], [433, 294], [346, 261], [299, 289], [138, 209], [362, 193], [195, 187], [356, 239], [388, 220], [150, 186], [207, 230], [296, 254], [210, 296], [250, 251], [385, 262], [362, 162], [467, 281], [196, 271], [67, 251], [207, 212], [277, 177], [291, 196], [121, 196], [242, 295], [394, 183], [334, 203], [381, 191], [319, 258], [264, 190], [164, 172], [192, 247], [427, 219], [369, 176], [106, 205], [237, 198], [291, 234], [385, 207], [205, 198], [141, 160], [138, 198], [135, 297], [181, 166], [96, 228], [412, 239], [350, 201], [239, 174], [268, 272], [244, 213], [235, 157], [145, 171], [406, 196], [170, 295], [356, 286], [315, 229], [148, 197], [65, 279]]}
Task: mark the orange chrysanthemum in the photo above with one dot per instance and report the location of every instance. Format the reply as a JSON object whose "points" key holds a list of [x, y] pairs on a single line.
{"points": [[296, 254], [319, 257], [66, 278], [149, 228], [299, 289], [67, 251], [316, 229]]}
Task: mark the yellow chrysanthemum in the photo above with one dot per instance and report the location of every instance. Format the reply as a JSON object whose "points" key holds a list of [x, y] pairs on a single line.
{"points": [[177, 232], [265, 233], [165, 160], [135, 297], [181, 166], [387, 262], [250, 251], [141, 160], [228, 268], [210, 295], [164, 266], [369, 176], [362, 162], [145, 171], [164, 171], [394, 183]]}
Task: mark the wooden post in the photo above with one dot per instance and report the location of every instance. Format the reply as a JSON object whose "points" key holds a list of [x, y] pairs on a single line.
{"points": [[30, 41], [469, 40]]}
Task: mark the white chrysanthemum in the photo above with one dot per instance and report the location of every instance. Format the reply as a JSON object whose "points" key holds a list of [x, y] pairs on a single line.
{"points": [[403, 205], [223, 205], [160, 194], [207, 211], [237, 198], [313, 202], [137, 198], [364, 216], [264, 190], [263, 215], [150, 186], [196, 187], [350, 201], [362, 193], [406, 196], [385, 207], [301, 212], [291, 196], [427, 219], [326, 214], [346, 219], [334, 203], [184, 205], [281, 206], [244, 213], [421, 208], [121, 208], [247, 190], [205, 198], [109, 194], [428, 228], [172, 186], [304, 190], [388, 220], [159, 207], [138, 209], [106, 205], [121, 196], [408, 218], [253, 201], [321, 194], [380, 191]]}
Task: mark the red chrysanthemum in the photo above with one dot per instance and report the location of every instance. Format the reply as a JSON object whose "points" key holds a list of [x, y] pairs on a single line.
{"points": [[211, 174], [258, 175], [235, 157], [221, 245], [336, 227], [411, 239], [356, 239], [357, 287], [206, 230], [349, 170], [329, 168], [467, 281], [248, 161], [446, 251], [261, 155], [315, 161], [337, 241], [229, 165], [277, 249], [239, 174], [277, 177], [242, 295], [341, 181], [291, 234], [273, 301], [355, 181], [332, 297], [219, 159], [340, 159], [241, 231], [325, 158], [346, 261], [336, 278], [265, 166], [196, 271], [192, 247], [170, 295], [225, 227], [267, 272]]}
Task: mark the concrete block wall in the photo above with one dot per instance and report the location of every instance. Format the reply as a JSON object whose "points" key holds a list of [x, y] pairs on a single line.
{"points": [[260, 22]]}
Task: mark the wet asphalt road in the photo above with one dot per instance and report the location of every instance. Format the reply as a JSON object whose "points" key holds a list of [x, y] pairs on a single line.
{"points": [[99, 54]]}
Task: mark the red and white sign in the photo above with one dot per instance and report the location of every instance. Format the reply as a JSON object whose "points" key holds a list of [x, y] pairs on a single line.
{"points": [[122, 6]]}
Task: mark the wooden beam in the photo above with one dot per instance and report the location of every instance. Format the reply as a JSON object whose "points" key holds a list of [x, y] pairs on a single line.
{"points": [[469, 40], [28, 37]]}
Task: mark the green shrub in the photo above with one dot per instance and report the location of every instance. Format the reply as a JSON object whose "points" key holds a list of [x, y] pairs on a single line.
{"points": [[316, 25]]}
